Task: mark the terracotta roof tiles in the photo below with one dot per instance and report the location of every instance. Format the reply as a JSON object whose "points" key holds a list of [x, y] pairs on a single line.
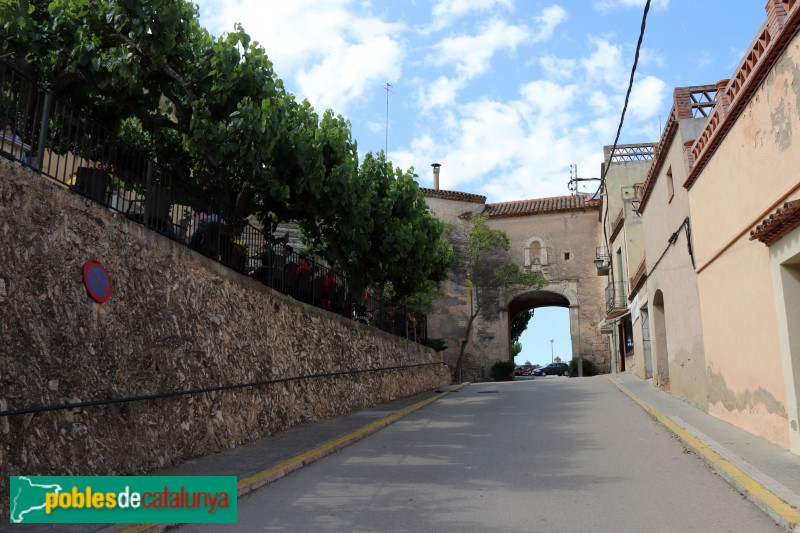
{"points": [[557, 204], [453, 195], [778, 224]]}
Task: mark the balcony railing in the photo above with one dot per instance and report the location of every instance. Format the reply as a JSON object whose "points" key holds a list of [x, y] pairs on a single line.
{"points": [[615, 300]]}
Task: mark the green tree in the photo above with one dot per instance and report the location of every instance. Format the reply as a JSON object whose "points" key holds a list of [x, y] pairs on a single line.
{"points": [[214, 114], [383, 233], [488, 272], [515, 350], [519, 324]]}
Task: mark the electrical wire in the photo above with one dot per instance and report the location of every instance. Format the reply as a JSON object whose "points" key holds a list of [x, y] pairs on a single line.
{"points": [[616, 139]]}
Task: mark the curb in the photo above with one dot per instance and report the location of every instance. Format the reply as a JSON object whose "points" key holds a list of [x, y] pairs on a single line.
{"points": [[766, 500], [284, 468]]}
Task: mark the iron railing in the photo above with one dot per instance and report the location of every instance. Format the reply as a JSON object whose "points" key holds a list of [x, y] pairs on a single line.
{"points": [[615, 298], [66, 146]]}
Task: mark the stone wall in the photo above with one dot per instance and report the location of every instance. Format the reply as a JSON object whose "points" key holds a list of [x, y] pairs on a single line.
{"points": [[176, 321]]}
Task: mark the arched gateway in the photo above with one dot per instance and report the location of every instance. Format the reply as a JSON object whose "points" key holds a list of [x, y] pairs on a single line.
{"points": [[555, 236]]}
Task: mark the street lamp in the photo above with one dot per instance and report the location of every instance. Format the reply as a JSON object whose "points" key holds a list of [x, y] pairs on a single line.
{"points": [[551, 350]]}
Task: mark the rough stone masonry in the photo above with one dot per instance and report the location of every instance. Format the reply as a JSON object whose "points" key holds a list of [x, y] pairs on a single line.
{"points": [[175, 321]]}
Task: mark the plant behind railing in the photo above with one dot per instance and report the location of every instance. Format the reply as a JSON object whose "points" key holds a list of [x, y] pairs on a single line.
{"points": [[90, 160]]}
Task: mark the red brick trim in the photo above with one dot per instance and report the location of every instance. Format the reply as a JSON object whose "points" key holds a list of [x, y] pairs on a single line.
{"points": [[778, 224], [771, 41]]}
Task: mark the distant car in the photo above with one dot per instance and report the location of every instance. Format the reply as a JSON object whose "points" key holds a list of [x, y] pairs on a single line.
{"points": [[524, 370], [553, 369]]}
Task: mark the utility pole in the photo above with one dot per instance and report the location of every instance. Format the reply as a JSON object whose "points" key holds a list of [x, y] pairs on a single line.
{"points": [[574, 179], [387, 87]]}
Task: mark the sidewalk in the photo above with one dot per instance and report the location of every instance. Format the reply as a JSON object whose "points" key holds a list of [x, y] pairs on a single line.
{"points": [[765, 473]]}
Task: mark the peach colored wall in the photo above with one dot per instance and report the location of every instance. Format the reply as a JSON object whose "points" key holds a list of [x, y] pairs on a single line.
{"points": [[745, 378], [684, 360], [754, 169], [755, 165]]}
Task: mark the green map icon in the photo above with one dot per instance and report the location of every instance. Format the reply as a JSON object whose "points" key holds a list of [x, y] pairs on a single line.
{"points": [[28, 499]]}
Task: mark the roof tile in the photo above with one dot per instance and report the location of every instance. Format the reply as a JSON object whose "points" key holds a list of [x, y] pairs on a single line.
{"points": [[778, 224], [453, 195], [557, 204]]}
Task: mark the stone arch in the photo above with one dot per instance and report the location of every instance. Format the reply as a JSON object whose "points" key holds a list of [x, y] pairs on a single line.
{"points": [[535, 251], [552, 295]]}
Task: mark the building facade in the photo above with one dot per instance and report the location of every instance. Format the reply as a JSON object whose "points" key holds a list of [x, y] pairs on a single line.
{"points": [[554, 236], [714, 283], [743, 184]]}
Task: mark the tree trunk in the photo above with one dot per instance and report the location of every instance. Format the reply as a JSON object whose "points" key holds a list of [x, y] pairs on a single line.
{"points": [[460, 361]]}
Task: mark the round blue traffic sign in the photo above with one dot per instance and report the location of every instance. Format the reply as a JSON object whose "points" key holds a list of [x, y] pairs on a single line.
{"points": [[97, 281]]}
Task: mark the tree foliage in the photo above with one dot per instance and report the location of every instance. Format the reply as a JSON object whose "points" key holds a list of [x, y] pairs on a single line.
{"points": [[519, 324], [214, 114]]}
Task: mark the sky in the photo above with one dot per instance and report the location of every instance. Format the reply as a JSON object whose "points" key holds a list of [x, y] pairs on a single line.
{"points": [[504, 94]]}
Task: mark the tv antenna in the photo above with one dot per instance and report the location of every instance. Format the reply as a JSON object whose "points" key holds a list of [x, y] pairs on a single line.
{"points": [[574, 179], [388, 89]]}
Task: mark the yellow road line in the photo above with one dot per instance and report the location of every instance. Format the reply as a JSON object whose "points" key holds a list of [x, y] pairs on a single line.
{"points": [[745, 482], [284, 468]]}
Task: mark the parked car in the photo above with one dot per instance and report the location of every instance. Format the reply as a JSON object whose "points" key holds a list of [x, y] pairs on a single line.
{"points": [[553, 369], [524, 370]]}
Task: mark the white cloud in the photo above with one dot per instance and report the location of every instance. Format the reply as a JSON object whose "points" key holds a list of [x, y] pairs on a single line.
{"points": [[440, 93], [445, 9], [604, 6], [522, 147], [650, 56], [558, 68], [336, 52], [341, 77], [599, 103], [548, 20], [647, 97], [471, 54], [605, 64]]}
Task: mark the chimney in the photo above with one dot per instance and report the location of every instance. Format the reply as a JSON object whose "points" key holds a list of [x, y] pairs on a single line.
{"points": [[436, 175]]}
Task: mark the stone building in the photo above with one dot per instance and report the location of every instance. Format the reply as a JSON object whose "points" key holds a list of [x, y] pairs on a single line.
{"points": [[555, 236]]}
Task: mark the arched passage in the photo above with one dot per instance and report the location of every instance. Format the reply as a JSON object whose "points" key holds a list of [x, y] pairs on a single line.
{"points": [[541, 299], [660, 338]]}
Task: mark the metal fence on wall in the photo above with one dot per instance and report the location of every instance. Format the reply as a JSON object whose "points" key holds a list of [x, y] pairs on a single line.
{"points": [[47, 135]]}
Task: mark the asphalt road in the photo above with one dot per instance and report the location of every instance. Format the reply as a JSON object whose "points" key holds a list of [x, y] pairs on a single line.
{"points": [[536, 455]]}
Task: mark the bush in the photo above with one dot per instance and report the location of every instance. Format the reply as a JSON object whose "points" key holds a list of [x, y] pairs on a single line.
{"points": [[437, 344], [503, 371], [589, 368]]}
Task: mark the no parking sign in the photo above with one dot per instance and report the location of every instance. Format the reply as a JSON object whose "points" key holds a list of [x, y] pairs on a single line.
{"points": [[97, 281]]}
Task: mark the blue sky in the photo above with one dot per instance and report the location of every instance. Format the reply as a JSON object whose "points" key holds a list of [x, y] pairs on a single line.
{"points": [[504, 94]]}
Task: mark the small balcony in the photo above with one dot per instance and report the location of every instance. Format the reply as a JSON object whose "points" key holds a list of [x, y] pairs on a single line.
{"points": [[615, 301], [602, 261]]}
